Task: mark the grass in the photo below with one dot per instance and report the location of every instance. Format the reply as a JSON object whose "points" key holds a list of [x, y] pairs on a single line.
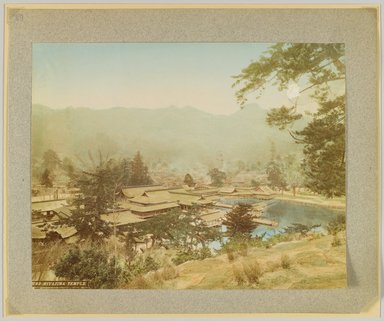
{"points": [[289, 264], [285, 261], [253, 272], [308, 198]]}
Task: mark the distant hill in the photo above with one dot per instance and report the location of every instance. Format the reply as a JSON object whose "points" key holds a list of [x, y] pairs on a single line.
{"points": [[177, 135]]}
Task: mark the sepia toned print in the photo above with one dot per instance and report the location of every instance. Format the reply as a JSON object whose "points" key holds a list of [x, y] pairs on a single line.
{"points": [[188, 166]]}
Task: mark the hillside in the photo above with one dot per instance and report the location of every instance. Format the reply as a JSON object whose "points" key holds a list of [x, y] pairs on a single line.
{"points": [[313, 264], [176, 135]]}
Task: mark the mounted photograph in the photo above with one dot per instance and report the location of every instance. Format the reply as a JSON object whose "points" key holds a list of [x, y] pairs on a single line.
{"points": [[201, 165]]}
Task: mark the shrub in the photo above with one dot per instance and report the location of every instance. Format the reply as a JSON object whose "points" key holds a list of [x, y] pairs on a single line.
{"points": [[230, 254], [91, 265], [285, 261], [139, 266], [252, 272], [150, 264], [336, 225], [205, 253], [239, 277], [184, 256], [336, 241], [243, 249]]}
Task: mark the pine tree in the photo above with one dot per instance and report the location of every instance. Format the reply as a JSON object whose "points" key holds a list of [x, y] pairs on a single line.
{"points": [[51, 160], [240, 221], [46, 178], [139, 172], [97, 196], [317, 66]]}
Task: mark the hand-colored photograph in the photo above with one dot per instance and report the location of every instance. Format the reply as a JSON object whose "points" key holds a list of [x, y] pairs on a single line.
{"points": [[188, 166]]}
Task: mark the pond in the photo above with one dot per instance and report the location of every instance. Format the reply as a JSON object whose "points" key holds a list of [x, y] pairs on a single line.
{"points": [[288, 213]]}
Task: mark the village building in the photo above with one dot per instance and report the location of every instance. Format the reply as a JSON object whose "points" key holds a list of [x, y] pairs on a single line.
{"points": [[139, 203], [264, 193], [212, 217], [121, 219]]}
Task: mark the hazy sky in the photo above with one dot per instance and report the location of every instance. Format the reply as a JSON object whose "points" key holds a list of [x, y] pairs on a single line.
{"points": [[146, 75]]}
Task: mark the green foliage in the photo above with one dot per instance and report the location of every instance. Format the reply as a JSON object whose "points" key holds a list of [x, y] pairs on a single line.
{"points": [[239, 221], [129, 244], [91, 265], [140, 266], [69, 169], [300, 228], [51, 160], [276, 177], [217, 177], [125, 168], [179, 229], [293, 172], [188, 180], [160, 227], [46, 178], [282, 117], [98, 189], [138, 172], [255, 183], [324, 149], [336, 225], [284, 62], [191, 255], [323, 138], [278, 238]]}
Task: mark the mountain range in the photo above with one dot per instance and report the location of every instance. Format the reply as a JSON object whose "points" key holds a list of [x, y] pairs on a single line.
{"points": [[181, 136]]}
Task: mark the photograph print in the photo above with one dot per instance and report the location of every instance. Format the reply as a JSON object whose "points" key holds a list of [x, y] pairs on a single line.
{"points": [[188, 166]]}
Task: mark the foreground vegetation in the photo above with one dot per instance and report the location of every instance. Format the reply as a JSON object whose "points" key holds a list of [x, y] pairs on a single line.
{"points": [[298, 258]]}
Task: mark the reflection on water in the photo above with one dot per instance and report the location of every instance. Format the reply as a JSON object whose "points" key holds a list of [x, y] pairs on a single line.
{"points": [[287, 213]]}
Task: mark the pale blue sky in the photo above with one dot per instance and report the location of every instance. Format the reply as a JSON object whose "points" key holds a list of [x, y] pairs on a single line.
{"points": [[144, 75]]}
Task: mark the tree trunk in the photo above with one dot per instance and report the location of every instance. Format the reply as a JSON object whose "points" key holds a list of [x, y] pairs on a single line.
{"points": [[294, 190]]}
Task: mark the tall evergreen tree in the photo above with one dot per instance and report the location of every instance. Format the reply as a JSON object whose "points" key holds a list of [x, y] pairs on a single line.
{"points": [[97, 196], [51, 160], [46, 178], [217, 177], [318, 66], [293, 172], [240, 221], [139, 172], [125, 171]]}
